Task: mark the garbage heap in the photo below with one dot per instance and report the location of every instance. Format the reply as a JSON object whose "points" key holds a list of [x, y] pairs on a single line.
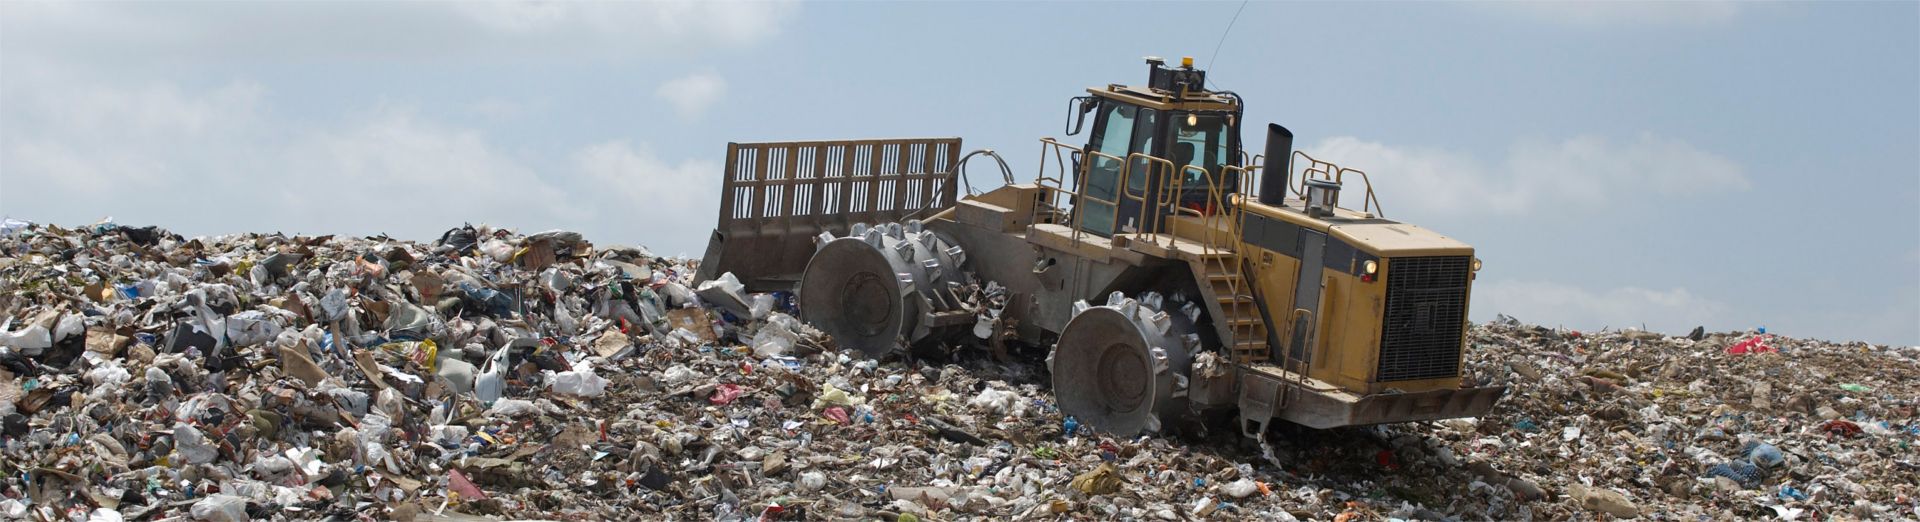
{"points": [[1730, 425], [494, 375]]}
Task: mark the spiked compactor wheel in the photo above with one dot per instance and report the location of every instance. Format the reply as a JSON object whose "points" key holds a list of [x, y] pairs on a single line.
{"points": [[1121, 368], [883, 288]]}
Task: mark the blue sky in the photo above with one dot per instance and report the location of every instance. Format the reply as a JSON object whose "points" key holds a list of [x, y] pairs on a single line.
{"points": [[1732, 165]]}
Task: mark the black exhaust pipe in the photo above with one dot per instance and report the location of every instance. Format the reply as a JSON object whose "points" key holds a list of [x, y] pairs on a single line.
{"points": [[1273, 188]]}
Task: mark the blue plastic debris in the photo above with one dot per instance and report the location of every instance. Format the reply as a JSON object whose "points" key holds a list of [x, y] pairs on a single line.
{"points": [[1744, 473], [1791, 493], [1765, 455]]}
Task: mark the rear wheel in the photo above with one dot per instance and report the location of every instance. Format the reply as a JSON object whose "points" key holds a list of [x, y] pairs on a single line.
{"points": [[876, 290]]}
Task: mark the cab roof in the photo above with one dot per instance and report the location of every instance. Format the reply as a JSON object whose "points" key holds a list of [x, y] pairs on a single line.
{"points": [[1165, 100]]}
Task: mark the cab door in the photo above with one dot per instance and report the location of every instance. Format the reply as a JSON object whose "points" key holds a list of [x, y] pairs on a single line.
{"points": [[1106, 205]]}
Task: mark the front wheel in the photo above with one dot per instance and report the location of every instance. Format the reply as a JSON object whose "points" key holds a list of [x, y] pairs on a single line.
{"points": [[1121, 368]]}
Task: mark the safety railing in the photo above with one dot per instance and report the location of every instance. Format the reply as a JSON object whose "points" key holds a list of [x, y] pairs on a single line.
{"points": [[1158, 169], [1321, 169], [1081, 163]]}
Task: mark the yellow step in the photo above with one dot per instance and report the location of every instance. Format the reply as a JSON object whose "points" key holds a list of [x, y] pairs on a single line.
{"points": [[1250, 350]]}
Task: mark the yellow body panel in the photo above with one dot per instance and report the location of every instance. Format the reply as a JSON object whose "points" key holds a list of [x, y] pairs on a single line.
{"points": [[1346, 344]]}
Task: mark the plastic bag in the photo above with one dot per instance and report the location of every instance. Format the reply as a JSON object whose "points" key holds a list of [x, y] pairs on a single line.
{"points": [[220, 508], [500, 251], [109, 374], [69, 326], [834, 396], [678, 296], [250, 328], [333, 306], [775, 338], [725, 292], [193, 447], [511, 408], [760, 305], [678, 374], [812, 481], [994, 400], [492, 382], [580, 381], [1242, 488], [30, 340]]}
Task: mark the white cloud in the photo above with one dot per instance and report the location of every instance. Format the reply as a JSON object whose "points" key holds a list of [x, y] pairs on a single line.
{"points": [[219, 161], [1674, 310], [503, 109], [122, 109], [1612, 12], [100, 33], [635, 186], [723, 22], [96, 137], [1582, 172], [391, 160], [692, 94]]}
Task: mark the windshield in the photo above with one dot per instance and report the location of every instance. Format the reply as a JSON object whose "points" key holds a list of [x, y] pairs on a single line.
{"points": [[1201, 140]]}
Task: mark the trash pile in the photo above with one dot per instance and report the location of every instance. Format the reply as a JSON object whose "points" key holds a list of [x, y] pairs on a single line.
{"points": [[1732, 425], [494, 375]]}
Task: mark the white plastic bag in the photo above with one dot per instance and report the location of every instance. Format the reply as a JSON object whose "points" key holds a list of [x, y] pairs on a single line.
{"points": [[70, 325], [30, 340], [220, 508], [580, 381], [760, 305], [500, 251], [995, 400], [492, 382], [193, 447], [510, 408], [1242, 488], [250, 328]]}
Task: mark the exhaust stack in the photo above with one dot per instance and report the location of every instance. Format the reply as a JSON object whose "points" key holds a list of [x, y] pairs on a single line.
{"points": [[1273, 189]]}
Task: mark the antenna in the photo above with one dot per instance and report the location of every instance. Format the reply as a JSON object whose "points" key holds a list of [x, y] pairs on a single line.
{"points": [[1224, 33]]}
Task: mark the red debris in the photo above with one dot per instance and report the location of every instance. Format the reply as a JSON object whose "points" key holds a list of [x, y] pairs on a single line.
{"points": [[1841, 428], [838, 414], [725, 394], [1757, 344]]}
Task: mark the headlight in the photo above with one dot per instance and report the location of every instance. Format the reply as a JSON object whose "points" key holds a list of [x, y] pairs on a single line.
{"points": [[1374, 268], [1476, 264]]}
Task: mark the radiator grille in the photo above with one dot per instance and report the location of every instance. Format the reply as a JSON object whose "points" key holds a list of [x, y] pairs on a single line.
{"points": [[1426, 310]]}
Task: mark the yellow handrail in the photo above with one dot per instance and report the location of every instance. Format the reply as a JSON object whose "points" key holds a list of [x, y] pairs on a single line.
{"points": [[1157, 170], [1316, 168]]}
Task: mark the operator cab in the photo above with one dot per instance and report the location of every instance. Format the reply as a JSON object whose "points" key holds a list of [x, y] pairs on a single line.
{"points": [[1174, 118]]}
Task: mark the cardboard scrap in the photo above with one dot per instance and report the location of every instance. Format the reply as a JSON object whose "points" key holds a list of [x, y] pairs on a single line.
{"points": [[694, 320], [294, 362], [610, 343]]}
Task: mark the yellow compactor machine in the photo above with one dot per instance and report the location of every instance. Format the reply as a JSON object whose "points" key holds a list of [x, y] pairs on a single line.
{"points": [[1166, 274]]}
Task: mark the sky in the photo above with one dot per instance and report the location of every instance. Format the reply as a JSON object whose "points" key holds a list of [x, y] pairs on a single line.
{"points": [[1617, 164]]}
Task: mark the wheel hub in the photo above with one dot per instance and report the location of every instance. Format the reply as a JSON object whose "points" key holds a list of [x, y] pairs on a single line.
{"points": [[865, 301], [1123, 377]]}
